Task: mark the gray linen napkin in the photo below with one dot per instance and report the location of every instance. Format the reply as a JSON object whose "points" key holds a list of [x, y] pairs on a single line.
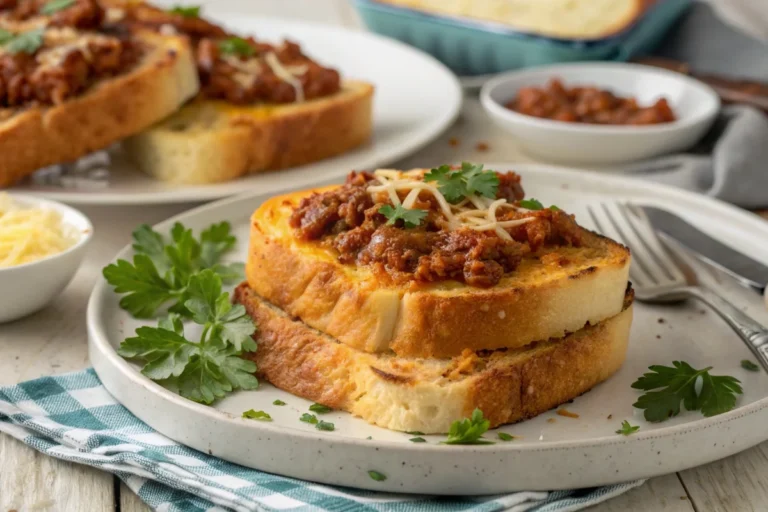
{"points": [[731, 162]]}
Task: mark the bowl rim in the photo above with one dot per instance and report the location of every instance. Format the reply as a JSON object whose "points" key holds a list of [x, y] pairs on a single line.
{"points": [[498, 110], [86, 233]]}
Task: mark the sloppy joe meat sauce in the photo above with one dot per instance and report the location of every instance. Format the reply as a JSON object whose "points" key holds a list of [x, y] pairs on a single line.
{"points": [[347, 220], [236, 77], [587, 105], [74, 54]]}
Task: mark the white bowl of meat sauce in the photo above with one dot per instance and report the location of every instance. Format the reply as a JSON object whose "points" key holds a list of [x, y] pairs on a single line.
{"points": [[600, 113]]}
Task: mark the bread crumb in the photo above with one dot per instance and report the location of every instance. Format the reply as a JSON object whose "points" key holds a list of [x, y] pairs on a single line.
{"points": [[529, 390], [683, 497], [661, 320], [482, 146], [502, 314], [551, 420], [568, 414], [453, 142], [658, 336], [610, 416]]}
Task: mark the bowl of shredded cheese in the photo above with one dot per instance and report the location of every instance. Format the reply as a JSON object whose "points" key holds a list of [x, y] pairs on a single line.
{"points": [[42, 244]]}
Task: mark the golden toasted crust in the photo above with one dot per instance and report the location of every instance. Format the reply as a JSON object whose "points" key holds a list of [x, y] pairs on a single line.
{"points": [[111, 110], [537, 301], [429, 394], [211, 141]]}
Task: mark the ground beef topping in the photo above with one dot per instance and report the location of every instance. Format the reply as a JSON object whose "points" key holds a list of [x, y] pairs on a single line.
{"points": [[47, 59], [240, 70], [348, 220]]}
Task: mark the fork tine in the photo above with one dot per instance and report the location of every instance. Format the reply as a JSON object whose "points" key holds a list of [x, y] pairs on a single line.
{"points": [[645, 232], [637, 273]]}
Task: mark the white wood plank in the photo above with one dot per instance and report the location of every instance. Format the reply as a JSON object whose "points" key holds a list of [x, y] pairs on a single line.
{"points": [[129, 502], [662, 494], [738, 483], [30, 481]]}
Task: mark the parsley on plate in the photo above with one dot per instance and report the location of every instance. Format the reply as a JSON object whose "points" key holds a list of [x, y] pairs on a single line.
{"points": [[667, 386], [308, 418], [162, 269], [186, 11], [257, 415], [236, 46], [417, 440], [325, 425], [749, 365], [410, 217], [375, 475], [506, 437], [456, 184], [320, 408], [278, 402], [469, 430], [627, 429], [210, 368]]}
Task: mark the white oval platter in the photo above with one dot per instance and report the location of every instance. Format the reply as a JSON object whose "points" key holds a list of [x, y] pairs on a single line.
{"points": [[416, 98], [559, 454]]}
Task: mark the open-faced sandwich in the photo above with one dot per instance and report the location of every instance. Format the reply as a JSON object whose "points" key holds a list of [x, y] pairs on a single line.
{"points": [[261, 106], [412, 298], [70, 84]]}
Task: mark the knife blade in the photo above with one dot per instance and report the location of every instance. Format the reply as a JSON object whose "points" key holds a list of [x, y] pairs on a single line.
{"points": [[746, 270]]}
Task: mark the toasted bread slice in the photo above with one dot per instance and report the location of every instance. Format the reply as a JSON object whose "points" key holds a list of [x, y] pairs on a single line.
{"points": [[110, 110], [210, 141], [537, 301], [429, 394]]}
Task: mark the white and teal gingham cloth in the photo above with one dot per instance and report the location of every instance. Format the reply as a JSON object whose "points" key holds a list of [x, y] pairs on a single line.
{"points": [[73, 417]]}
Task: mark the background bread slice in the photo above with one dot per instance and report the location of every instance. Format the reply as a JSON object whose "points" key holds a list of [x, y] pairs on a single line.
{"points": [[33, 138], [211, 141], [429, 394], [538, 301], [577, 19]]}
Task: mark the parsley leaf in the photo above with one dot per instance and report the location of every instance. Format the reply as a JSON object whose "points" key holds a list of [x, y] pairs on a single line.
{"points": [[417, 440], [320, 408], [531, 204], [667, 386], [278, 402], [186, 11], [236, 46], [25, 42], [627, 429], [200, 371], [455, 185], [325, 425], [506, 437], [749, 365], [469, 430], [162, 269], [257, 415], [308, 418], [416, 433], [54, 6], [375, 475], [410, 217]]}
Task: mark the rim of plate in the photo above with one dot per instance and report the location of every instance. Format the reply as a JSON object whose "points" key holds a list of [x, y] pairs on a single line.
{"points": [[195, 193], [82, 224], [99, 337], [584, 128]]}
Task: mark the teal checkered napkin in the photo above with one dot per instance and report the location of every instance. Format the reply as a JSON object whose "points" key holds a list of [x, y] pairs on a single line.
{"points": [[72, 417]]}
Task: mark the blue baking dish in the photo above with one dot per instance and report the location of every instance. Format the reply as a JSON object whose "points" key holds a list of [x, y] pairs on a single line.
{"points": [[472, 47]]}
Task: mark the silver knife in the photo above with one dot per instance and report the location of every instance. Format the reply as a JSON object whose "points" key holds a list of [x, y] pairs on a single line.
{"points": [[746, 270]]}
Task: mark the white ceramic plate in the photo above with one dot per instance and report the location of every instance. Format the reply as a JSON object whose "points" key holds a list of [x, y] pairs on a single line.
{"points": [[566, 453], [416, 98], [695, 104]]}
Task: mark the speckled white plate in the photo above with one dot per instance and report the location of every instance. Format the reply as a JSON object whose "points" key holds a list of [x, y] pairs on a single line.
{"points": [[416, 98], [552, 452]]}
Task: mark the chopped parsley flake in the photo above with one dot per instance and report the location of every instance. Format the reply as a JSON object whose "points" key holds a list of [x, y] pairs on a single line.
{"points": [[257, 415]]}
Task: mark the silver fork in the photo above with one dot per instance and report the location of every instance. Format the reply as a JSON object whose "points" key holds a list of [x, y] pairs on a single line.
{"points": [[658, 278]]}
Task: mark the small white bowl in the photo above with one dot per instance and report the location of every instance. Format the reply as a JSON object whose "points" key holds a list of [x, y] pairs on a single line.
{"points": [[695, 104], [27, 288]]}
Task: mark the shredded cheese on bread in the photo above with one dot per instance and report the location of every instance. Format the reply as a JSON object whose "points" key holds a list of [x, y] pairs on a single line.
{"points": [[475, 212], [30, 234]]}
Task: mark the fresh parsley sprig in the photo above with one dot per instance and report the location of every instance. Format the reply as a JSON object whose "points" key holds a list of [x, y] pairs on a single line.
{"points": [[411, 217], [535, 204], [667, 386], [23, 42], [456, 184], [627, 429], [209, 368], [186, 11], [161, 269], [469, 430]]}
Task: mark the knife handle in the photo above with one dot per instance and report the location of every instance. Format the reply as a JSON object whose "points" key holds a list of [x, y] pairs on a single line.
{"points": [[754, 335]]}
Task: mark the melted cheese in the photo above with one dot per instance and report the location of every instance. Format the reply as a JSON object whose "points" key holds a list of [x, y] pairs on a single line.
{"points": [[284, 74], [63, 41], [30, 234], [474, 212]]}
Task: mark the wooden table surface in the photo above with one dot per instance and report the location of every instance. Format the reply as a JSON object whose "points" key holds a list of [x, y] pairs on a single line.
{"points": [[54, 340]]}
